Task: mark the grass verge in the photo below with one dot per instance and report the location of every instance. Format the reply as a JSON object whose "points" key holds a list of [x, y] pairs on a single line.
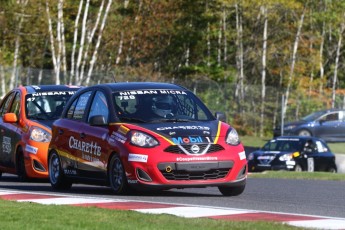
{"points": [[15, 215], [299, 175]]}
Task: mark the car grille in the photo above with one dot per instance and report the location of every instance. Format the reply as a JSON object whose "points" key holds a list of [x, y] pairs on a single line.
{"points": [[204, 148], [195, 171], [209, 175]]}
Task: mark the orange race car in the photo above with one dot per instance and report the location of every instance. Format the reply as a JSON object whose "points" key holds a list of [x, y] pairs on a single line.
{"points": [[26, 116]]}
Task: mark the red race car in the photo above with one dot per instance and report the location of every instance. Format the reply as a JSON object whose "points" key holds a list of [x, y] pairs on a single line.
{"points": [[27, 113], [144, 136]]}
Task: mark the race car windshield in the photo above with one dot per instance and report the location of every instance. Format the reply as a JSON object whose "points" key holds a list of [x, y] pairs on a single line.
{"points": [[160, 106], [46, 105], [283, 145]]}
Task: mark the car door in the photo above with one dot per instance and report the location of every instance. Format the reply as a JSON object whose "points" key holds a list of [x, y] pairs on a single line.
{"points": [[341, 126], [94, 134], [329, 126], [319, 157], [68, 135], [9, 131]]}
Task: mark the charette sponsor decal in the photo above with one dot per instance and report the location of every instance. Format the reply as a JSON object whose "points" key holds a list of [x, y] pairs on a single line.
{"points": [[184, 127], [137, 157], [87, 147]]}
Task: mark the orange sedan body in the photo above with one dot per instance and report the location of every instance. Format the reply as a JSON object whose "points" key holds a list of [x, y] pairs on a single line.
{"points": [[26, 116]]}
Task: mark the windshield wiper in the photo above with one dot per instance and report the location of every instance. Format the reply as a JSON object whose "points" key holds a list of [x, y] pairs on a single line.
{"points": [[171, 120]]}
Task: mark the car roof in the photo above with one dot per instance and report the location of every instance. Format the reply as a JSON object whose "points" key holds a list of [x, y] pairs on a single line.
{"points": [[50, 88], [123, 86], [330, 110], [296, 137]]}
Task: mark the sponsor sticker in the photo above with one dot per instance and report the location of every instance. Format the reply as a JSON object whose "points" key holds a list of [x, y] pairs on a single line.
{"points": [[31, 149], [137, 157], [6, 144], [119, 137], [242, 155], [196, 159], [123, 130]]}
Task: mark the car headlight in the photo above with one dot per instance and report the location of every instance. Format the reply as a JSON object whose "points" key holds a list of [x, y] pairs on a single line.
{"points": [[40, 135], [289, 127], [232, 137], [286, 157], [142, 139], [250, 156]]}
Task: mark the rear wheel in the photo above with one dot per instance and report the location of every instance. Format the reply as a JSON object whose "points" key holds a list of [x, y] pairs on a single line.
{"points": [[332, 170], [21, 171], [231, 191], [117, 176], [304, 132], [56, 176]]}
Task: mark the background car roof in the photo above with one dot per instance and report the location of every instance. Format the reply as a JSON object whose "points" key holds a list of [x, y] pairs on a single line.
{"points": [[296, 137], [47, 88], [123, 86]]}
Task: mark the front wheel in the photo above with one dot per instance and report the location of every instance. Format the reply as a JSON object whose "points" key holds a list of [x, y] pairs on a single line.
{"points": [[332, 170], [298, 168], [56, 177], [21, 171], [304, 132], [231, 191], [117, 176]]}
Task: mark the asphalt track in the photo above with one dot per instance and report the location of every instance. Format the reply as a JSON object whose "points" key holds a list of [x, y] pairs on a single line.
{"points": [[319, 204]]}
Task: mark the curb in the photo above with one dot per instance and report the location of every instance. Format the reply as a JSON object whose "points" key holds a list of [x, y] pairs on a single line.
{"points": [[186, 211]]}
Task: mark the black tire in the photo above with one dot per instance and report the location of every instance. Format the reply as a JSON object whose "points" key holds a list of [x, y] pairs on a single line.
{"points": [[304, 132], [332, 170], [0, 175], [117, 176], [231, 191], [21, 171], [56, 177], [298, 168]]}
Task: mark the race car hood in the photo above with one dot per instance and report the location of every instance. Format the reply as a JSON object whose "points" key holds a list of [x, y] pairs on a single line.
{"points": [[186, 132], [46, 123], [262, 153]]}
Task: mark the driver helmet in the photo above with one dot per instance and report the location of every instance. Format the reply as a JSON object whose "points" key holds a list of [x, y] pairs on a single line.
{"points": [[163, 105]]}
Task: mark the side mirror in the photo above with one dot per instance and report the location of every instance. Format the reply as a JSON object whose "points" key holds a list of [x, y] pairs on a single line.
{"points": [[97, 120], [10, 118], [220, 116]]}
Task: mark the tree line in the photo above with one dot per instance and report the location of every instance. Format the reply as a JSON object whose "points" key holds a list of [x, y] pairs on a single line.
{"points": [[290, 45]]}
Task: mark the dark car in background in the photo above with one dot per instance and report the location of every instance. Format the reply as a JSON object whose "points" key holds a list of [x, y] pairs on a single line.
{"points": [[293, 153], [326, 124]]}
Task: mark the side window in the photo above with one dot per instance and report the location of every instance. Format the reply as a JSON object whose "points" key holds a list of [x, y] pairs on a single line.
{"points": [[78, 107], [6, 104], [16, 105], [99, 106], [332, 117]]}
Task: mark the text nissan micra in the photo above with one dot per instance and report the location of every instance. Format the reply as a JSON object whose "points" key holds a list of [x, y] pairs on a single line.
{"points": [[144, 136]]}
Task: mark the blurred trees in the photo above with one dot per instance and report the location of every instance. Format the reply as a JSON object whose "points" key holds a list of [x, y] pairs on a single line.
{"points": [[287, 44]]}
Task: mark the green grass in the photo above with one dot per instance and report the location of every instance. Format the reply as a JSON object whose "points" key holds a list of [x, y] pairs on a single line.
{"points": [[15, 215], [338, 148], [299, 175]]}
